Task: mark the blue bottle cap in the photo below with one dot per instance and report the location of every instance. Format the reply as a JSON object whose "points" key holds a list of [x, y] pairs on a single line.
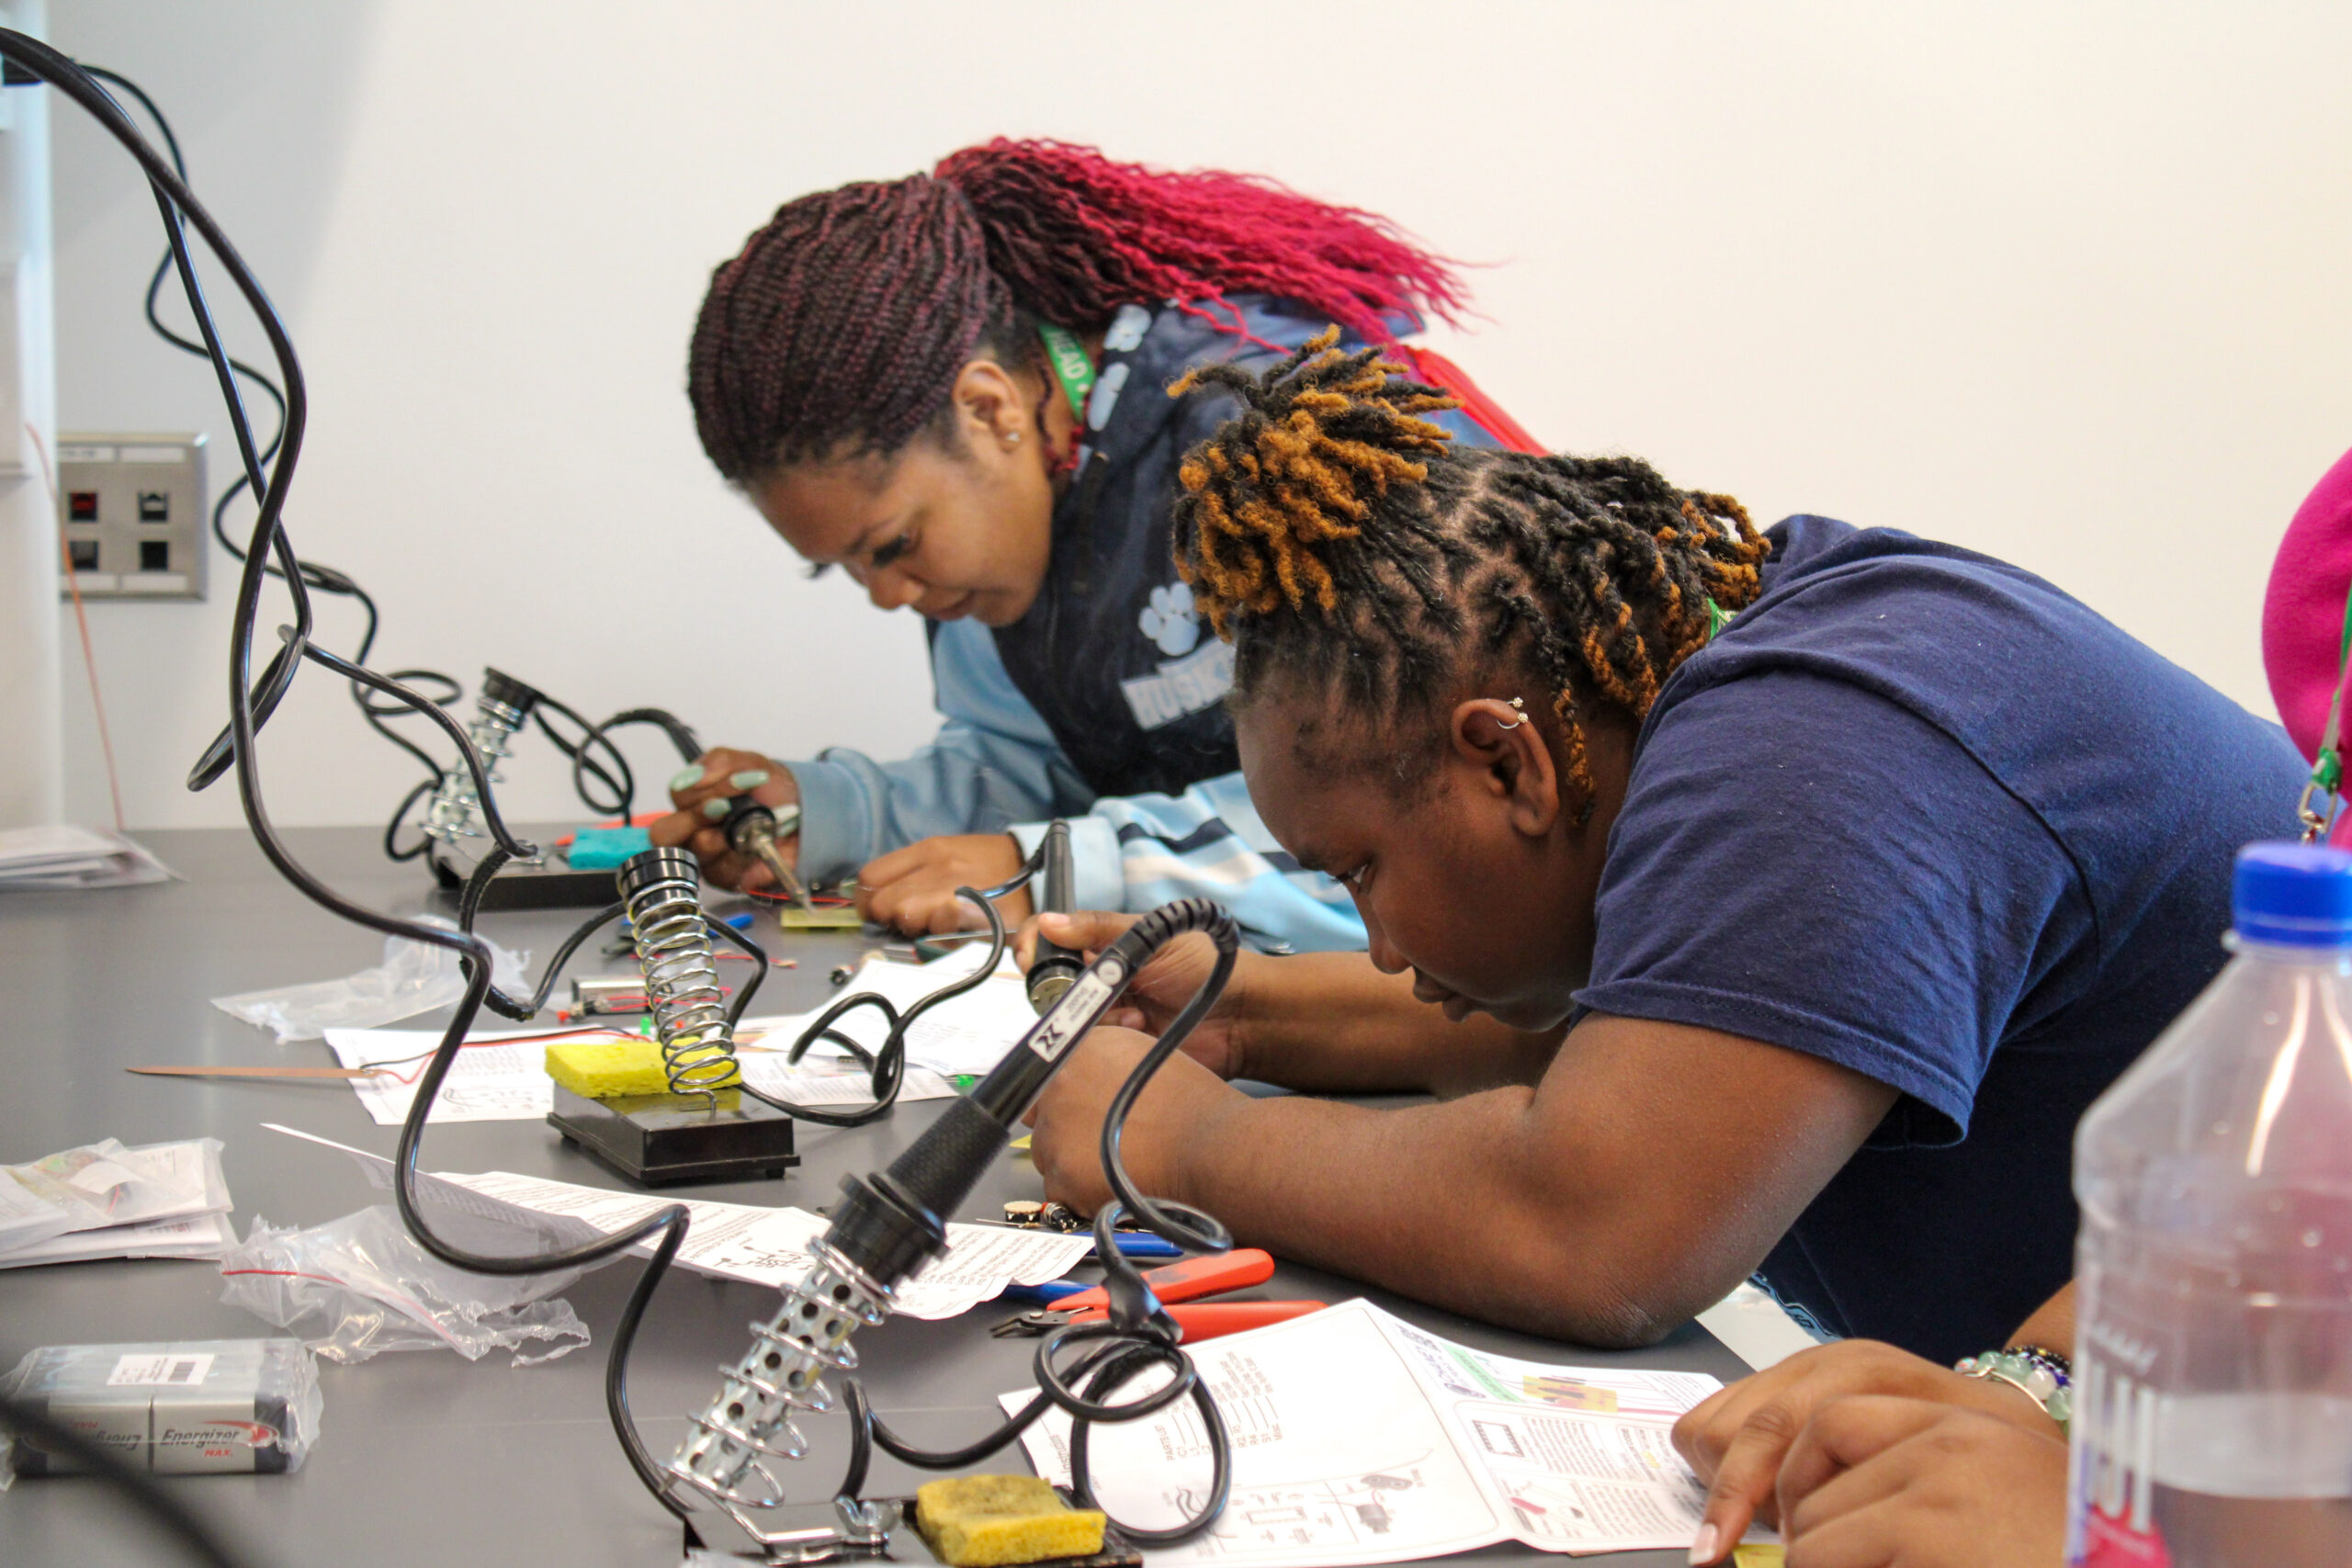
{"points": [[2293, 894]]}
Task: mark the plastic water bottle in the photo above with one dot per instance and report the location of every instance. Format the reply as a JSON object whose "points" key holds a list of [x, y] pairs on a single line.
{"points": [[2212, 1424]]}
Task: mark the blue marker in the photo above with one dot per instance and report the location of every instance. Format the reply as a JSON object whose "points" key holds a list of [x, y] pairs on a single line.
{"points": [[741, 922]]}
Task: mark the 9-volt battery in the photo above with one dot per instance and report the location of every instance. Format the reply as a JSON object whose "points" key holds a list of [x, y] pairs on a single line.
{"points": [[196, 1407]]}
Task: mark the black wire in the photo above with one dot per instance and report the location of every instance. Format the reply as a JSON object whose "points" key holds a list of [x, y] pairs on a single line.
{"points": [[376, 715], [163, 1509], [474, 962], [888, 1064], [613, 772], [598, 736], [1138, 1334], [312, 574], [250, 707]]}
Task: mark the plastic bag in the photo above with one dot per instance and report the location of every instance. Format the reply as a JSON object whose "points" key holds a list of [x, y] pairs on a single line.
{"points": [[198, 1408], [104, 1184], [414, 978], [360, 1285]]}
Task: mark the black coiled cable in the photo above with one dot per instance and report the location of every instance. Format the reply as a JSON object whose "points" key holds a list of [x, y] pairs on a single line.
{"points": [[1138, 1334]]}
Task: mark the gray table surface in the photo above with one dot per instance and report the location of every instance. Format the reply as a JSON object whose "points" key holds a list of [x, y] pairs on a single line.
{"points": [[425, 1457]]}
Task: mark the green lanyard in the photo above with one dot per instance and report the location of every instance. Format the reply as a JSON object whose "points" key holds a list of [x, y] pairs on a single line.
{"points": [[1716, 618], [2328, 768], [1071, 368]]}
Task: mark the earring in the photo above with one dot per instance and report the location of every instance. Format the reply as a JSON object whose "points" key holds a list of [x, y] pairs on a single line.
{"points": [[1519, 706], [1011, 439]]}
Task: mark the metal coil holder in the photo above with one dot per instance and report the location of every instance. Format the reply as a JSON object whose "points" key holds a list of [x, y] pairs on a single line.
{"points": [[783, 1371], [661, 891], [501, 710]]}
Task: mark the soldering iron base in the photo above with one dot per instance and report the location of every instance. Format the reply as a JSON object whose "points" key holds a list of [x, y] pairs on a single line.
{"points": [[549, 884], [846, 1530], [657, 1139]]}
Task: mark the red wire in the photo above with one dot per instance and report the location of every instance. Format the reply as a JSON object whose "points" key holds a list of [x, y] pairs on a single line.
{"points": [[390, 1062], [89, 660]]}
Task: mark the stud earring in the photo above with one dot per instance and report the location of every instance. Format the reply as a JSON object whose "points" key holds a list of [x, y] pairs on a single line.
{"points": [[1517, 707], [1011, 438]]}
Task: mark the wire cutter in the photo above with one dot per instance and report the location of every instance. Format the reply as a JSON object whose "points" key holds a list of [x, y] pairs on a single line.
{"points": [[1179, 1282]]}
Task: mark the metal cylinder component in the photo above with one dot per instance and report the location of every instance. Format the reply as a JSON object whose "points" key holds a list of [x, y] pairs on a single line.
{"points": [[501, 709], [614, 995], [662, 891], [783, 1371]]}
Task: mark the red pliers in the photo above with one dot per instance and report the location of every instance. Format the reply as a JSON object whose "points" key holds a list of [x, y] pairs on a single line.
{"points": [[1179, 1282]]}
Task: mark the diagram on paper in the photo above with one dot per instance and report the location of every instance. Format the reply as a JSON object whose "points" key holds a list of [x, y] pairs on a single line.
{"points": [[1337, 1514], [1573, 1480]]}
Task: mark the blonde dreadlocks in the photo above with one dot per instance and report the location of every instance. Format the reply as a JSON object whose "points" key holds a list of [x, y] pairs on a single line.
{"points": [[1333, 535]]}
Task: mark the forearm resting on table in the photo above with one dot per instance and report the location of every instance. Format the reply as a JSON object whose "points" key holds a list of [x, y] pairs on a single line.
{"points": [[1330, 1023], [1424, 1201], [1647, 1173]]}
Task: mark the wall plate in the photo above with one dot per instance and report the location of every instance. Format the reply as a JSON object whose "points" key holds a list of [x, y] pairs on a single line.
{"points": [[131, 508]]}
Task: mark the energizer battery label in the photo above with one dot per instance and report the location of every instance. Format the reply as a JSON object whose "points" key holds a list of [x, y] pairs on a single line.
{"points": [[160, 1372], [1076, 1010]]}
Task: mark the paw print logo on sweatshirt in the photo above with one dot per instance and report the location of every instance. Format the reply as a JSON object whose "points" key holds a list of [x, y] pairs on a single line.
{"points": [[1169, 621]]}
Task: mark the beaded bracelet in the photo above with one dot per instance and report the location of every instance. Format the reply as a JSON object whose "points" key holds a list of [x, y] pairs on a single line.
{"points": [[2043, 1376]]}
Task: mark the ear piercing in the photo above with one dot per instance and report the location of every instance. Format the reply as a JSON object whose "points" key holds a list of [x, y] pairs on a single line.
{"points": [[1011, 438], [1517, 707]]}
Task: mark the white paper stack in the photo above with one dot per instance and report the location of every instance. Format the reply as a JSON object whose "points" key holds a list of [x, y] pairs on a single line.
{"points": [[105, 1201], [69, 857]]}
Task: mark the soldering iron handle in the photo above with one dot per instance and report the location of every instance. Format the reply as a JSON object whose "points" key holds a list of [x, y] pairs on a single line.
{"points": [[1053, 969], [892, 1223]]}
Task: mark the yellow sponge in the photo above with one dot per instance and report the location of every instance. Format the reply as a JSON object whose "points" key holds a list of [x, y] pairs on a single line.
{"points": [[978, 1521], [608, 1070]]}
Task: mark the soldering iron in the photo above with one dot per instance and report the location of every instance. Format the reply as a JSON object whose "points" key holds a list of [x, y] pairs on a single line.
{"points": [[755, 830], [1053, 969]]}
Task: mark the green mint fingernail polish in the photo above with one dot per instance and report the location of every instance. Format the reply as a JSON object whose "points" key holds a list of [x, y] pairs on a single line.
{"points": [[686, 780], [714, 809], [751, 778]]}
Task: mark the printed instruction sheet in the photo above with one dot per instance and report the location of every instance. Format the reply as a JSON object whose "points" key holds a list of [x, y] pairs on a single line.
{"points": [[1358, 1439], [501, 1075]]}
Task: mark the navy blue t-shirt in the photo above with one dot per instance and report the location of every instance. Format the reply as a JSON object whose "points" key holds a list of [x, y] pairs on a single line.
{"points": [[1921, 814]]}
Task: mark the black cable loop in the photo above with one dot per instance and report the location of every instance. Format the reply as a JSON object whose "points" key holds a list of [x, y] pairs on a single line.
{"points": [[617, 776], [299, 574], [1138, 1332], [251, 703], [595, 735], [392, 850], [888, 1064]]}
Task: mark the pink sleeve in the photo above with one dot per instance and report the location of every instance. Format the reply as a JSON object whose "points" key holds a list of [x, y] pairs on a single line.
{"points": [[2302, 612]]}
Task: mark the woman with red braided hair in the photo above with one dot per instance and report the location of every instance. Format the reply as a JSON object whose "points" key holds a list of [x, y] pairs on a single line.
{"points": [[953, 387], [1810, 882]]}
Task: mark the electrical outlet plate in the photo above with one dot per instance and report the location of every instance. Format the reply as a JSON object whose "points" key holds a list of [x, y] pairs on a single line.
{"points": [[131, 508]]}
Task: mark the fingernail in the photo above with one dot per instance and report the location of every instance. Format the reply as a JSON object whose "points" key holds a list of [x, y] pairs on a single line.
{"points": [[714, 809], [1058, 922], [1703, 1549], [749, 778], [686, 779]]}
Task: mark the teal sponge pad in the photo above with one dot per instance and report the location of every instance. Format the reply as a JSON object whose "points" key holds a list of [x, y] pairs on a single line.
{"points": [[601, 849]]}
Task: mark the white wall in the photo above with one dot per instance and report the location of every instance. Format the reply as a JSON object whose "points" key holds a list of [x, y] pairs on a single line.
{"points": [[2064, 283], [32, 774]]}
